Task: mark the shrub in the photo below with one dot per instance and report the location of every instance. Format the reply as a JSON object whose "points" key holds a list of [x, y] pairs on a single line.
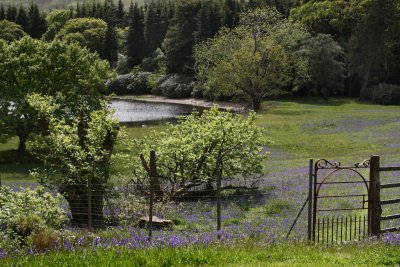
{"points": [[177, 86], [23, 225], [24, 211], [386, 94], [44, 239], [132, 83]]}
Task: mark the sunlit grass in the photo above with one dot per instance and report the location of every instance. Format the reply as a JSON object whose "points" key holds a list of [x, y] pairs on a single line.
{"points": [[244, 254]]}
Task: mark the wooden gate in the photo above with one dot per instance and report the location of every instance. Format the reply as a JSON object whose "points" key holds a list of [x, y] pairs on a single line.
{"points": [[379, 190]]}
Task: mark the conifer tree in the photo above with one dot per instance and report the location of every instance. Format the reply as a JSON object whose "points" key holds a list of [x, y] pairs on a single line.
{"points": [[135, 40], [120, 14], [2, 12], [231, 16], [11, 14], [179, 40], [36, 22], [111, 45], [22, 18]]}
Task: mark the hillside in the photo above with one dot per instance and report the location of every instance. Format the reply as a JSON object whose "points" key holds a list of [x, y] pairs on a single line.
{"points": [[53, 4]]}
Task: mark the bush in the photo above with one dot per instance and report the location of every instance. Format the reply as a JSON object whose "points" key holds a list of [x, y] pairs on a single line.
{"points": [[176, 86], [386, 94], [132, 83], [23, 211]]}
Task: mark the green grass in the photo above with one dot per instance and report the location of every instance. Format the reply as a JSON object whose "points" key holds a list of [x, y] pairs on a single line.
{"points": [[222, 255], [300, 129]]}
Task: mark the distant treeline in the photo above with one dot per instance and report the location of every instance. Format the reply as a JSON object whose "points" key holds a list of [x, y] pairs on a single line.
{"points": [[159, 36]]}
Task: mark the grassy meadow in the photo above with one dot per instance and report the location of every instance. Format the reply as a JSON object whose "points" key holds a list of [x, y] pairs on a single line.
{"points": [[222, 255], [336, 129]]}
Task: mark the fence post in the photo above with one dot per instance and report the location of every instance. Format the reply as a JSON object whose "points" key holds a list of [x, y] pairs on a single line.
{"points": [[374, 197], [153, 173], [310, 202], [90, 203], [219, 205]]}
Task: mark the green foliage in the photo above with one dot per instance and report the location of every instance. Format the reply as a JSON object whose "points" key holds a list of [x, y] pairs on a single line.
{"points": [[327, 66], [386, 94], [135, 39], [110, 46], [245, 253], [176, 86], [194, 151], [179, 40], [28, 210], [251, 60], [10, 31], [87, 32], [79, 149], [132, 83], [66, 71], [276, 207], [55, 20]]}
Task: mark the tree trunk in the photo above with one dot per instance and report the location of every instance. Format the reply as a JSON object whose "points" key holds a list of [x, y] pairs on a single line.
{"points": [[255, 103], [77, 197], [22, 144]]}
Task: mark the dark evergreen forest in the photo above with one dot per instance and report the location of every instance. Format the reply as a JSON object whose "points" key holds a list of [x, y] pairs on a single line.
{"points": [[352, 47]]}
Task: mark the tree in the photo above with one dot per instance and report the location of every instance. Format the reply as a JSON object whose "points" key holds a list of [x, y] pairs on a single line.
{"points": [[79, 152], [88, 32], [367, 43], [179, 40], [11, 14], [22, 18], [2, 12], [120, 14], [327, 66], [10, 31], [201, 149], [37, 23], [56, 20], [111, 45], [67, 72], [250, 60], [135, 41]]}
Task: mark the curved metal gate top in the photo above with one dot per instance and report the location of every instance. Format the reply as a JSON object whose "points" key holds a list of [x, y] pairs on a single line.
{"points": [[336, 227]]}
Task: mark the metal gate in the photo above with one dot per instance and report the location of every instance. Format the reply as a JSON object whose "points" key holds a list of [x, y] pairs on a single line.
{"points": [[330, 185]]}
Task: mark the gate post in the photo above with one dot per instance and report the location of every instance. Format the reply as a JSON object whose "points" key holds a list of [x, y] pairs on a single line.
{"points": [[310, 201], [374, 207]]}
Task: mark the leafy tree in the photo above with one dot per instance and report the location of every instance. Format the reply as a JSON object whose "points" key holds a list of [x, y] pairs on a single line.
{"points": [[10, 31], [79, 152], [250, 61], [55, 20], [201, 149], [135, 40], [327, 66], [66, 71], [179, 40], [88, 32]]}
